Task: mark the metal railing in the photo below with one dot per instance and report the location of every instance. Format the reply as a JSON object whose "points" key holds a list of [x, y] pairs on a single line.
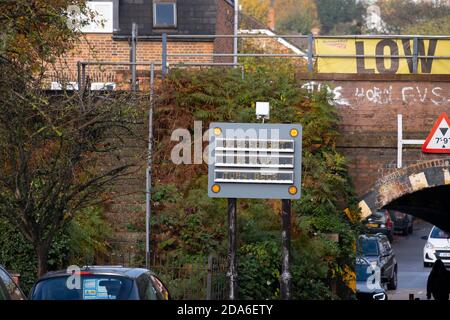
{"points": [[201, 279], [308, 55]]}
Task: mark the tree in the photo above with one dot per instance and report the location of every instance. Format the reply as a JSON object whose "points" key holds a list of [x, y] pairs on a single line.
{"points": [[258, 9], [35, 32], [335, 15], [296, 16], [59, 154], [440, 26], [402, 16]]}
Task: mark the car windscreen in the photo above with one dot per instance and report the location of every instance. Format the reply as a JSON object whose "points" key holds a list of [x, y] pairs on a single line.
{"points": [[439, 234], [89, 287], [379, 216], [367, 247]]}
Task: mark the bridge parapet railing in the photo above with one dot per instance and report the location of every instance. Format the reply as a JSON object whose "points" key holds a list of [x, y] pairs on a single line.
{"points": [[369, 54]]}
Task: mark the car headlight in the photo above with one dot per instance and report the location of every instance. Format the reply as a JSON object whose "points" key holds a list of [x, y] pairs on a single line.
{"points": [[383, 225], [428, 245], [379, 296]]}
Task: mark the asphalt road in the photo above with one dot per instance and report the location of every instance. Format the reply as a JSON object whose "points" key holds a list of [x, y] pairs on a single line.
{"points": [[412, 276]]}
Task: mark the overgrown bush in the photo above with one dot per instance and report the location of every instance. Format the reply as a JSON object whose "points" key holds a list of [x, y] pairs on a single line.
{"points": [[82, 239], [189, 224]]}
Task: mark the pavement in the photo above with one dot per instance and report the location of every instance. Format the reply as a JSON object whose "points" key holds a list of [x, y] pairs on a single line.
{"points": [[412, 276]]}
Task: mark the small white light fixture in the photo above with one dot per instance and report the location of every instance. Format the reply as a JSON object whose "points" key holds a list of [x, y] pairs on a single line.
{"points": [[262, 110]]}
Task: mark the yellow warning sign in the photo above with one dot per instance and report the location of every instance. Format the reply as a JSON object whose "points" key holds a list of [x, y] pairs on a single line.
{"points": [[382, 56]]}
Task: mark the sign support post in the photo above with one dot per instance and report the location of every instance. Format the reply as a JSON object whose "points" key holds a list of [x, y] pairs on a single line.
{"points": [[286, 276], [232, 248], [256, 161]]}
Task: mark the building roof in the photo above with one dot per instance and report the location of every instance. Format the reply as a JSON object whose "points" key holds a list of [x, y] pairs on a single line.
{"points": [[193, 17]]}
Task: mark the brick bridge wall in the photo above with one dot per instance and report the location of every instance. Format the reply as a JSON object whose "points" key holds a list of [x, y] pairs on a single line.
{"points": [[368, 111]]}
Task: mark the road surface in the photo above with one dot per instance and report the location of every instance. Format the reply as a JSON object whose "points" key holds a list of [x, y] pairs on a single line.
{"points": [[412, 276]]}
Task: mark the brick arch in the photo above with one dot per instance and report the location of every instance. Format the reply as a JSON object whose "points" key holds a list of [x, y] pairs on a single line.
{"points": [[407, 180]]}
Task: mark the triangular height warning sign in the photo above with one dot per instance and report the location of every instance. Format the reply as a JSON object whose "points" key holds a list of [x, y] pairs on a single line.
{"points": [[438, 141]]}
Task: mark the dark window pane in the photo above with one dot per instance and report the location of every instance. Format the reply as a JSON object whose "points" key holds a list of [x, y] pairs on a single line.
{"points": [[3, 292], [164, 14], [13, 290], [93, 287], [439, 234], [367, 247]]}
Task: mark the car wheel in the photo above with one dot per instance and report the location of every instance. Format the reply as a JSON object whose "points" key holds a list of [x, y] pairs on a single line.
{"points": [[410, 230], [392, 284], [405, 231]]}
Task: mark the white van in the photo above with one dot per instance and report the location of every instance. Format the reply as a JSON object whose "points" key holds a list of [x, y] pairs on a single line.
{"points": [[437, 247]]}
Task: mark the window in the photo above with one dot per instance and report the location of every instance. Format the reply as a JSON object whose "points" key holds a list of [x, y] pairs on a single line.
{"points": [[163, 293], [164, 15], [367, 247], [146, 289], [93, 287], [11, 287], [439, 234], [3, 292]]}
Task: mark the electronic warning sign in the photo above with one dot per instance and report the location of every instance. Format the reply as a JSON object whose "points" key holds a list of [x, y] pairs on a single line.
{"points": [[249, 160]]}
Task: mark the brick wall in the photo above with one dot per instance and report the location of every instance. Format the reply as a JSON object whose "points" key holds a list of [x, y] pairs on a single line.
{"points": [[101, 47], [224, 25], [368, 111]]}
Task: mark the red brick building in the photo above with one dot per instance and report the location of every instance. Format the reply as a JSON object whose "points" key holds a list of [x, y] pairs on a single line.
{"points": [[108, 39]]}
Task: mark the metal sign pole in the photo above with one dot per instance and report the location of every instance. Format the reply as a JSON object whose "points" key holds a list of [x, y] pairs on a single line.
{"points": [[148, 195], [286, 276], [134, 34], [232, 247], [401, 142], [236, 31], [243, 177]]}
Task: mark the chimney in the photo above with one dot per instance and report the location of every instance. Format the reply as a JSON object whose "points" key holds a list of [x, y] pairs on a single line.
{"points": [[271, 16]]}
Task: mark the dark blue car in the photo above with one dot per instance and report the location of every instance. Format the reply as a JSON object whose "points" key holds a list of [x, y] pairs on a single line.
{"points": [[100, 283]]}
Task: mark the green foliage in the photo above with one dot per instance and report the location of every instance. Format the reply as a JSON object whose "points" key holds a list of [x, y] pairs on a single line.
{"points": [[404, 16], [37, 32], [343, 16], [300, 22], [193, 223], [188, 224], [438, 27], [84, 237], [53, 151], [259, 273]]}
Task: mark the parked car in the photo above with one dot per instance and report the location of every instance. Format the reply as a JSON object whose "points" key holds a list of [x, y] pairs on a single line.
{"points": [[376, 250], [100, 283], [366, 286], [437, 247], [403, 222], [9, 290], [380, 222]]}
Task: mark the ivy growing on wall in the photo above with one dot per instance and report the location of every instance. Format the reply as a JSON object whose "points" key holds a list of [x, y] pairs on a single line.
{"points": [[188, 223]]}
